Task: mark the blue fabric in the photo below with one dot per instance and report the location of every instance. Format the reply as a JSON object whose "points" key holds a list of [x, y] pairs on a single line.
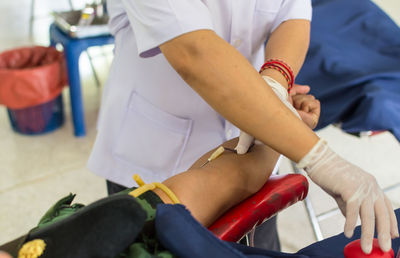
{"points": [[353, 66], [333, 247], [181, 234]]}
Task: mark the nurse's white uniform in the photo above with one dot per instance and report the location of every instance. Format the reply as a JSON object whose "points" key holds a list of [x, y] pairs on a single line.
{"points": [[151, 122]]}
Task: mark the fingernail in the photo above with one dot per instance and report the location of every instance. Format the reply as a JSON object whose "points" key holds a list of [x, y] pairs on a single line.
{"points": [[386, 244], [349, 233], [366, 249]]}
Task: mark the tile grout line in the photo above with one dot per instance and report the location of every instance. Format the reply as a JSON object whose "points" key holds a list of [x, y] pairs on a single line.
{"points": [[39, 179]]}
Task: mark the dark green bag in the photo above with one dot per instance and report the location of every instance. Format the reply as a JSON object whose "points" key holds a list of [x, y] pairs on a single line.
{"points": [[116, 226]]}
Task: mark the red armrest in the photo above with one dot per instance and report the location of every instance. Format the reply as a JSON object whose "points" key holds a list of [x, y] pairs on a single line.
{"points": [[277, 194]]}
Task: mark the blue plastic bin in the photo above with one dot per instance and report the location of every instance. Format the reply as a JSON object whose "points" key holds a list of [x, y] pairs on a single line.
{"points": [[38, 119]]}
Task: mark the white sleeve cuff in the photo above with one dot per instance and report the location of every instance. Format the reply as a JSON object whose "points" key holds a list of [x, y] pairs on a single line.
{"points": [[157, 21], [293, 9]]}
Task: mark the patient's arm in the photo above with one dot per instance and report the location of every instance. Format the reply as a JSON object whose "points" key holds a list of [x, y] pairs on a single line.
{"points": [[213, 189]]}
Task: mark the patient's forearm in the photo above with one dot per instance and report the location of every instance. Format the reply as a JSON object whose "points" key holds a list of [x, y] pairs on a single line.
{"points": [[210, 191]]}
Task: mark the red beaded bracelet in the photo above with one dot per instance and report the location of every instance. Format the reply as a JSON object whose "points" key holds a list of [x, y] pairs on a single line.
{"points": [[279, 69], [283, 68]]}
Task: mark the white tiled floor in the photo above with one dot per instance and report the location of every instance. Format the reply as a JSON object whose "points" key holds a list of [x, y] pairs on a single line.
{"points": [[37, 171]]}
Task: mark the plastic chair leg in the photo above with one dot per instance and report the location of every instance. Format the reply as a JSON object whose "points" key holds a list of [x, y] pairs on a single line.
{"points": [[72, 54]]}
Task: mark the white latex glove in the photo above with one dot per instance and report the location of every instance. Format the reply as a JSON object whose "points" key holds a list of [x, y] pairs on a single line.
{"points": [[356, 192], [245, 139]]}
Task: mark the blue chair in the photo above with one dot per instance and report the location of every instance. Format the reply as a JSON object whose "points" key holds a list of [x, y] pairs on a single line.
{"points": [[73, 47]]}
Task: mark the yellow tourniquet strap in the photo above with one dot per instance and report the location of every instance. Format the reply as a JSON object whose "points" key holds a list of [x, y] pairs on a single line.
{"points": [[147, 187]]}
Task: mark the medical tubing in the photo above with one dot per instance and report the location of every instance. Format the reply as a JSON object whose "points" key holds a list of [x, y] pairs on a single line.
{"points": [[138, 180], [147, 187]]}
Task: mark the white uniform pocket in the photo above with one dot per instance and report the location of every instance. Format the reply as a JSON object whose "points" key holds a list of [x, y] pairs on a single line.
{"points": [[151, 140]]}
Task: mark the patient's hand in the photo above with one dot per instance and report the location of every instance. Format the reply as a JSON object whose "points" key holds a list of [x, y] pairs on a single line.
{"points": [[306, 105]]}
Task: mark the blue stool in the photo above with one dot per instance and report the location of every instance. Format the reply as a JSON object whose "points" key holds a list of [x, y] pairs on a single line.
{"points": [[73, 47]]}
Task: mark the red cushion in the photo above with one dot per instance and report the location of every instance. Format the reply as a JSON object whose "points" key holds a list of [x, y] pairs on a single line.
{"points": [[353, 250], [278, 193]]}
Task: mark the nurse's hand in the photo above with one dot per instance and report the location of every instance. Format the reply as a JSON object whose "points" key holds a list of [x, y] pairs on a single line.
{"points": [[357, 194], [308, 107]]}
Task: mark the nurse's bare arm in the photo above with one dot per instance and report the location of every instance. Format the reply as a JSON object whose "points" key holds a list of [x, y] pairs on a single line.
{"points": [[288, 42], [213, 189], [227, 81]]}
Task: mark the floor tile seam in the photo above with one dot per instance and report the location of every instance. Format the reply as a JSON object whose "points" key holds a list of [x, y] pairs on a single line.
{"points": [[289, 245], [42, 178]]}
